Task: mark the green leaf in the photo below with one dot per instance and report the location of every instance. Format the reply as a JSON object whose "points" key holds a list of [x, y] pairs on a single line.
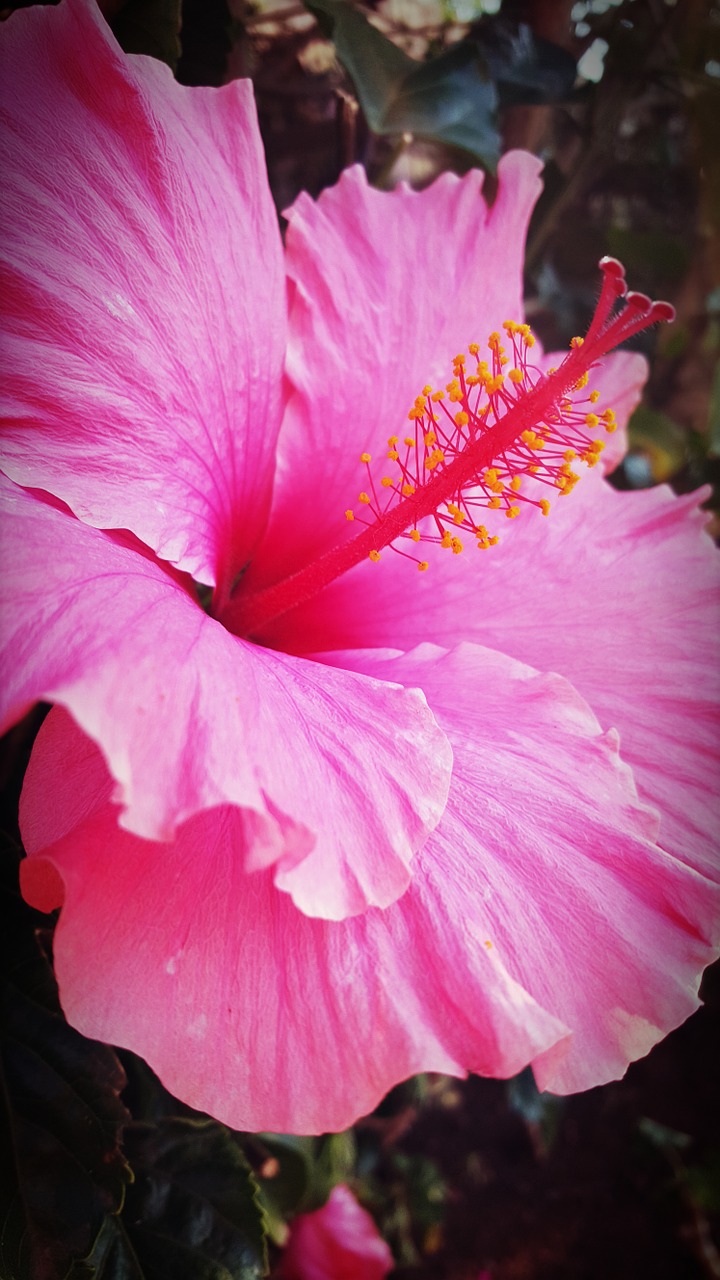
{"points": [[541, 1112], [527, 69], [192, 1211], [336, 1160], [376, 66], [287, 1188], [148, 26], [60, 1115], [449, 99]]}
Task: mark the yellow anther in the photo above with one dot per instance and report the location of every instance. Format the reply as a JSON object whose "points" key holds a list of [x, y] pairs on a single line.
{"points": [[415, 535], [527, 437], [419, 402], [582, 381], [610, 427], [409, 441], [495, 384], [567, 481], [576, 342], [473, 348], [594, 397], [493, 541], [512, 512], [437, 395], [494, 503], [473, 380], [596, 446], [483, 544], [459, 359], [446, 540], [408, 489], [349, 515], [457, 546], [591, 420], [452, 386], [423, 565], [363, 497], [504, 359], [462, 418], [386, 482], [481, 531], [515, 483], [608, 415], [366, 457], [545, 506], [491, 475], [375, 556], [393, 455], [415, 414], [392, 441], [533, 470], [430, 438], [494, 341], [569, 455], [427, 389], [529, 339], [516, 375]]}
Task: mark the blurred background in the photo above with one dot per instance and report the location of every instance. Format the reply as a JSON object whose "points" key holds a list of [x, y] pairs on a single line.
{"points": [[464, 1179]]}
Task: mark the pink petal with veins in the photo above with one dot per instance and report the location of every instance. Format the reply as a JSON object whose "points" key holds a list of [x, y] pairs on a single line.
{"points": [[143, 342]]}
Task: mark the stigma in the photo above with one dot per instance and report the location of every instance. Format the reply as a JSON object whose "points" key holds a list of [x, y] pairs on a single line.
{"points": [[554, 436]]}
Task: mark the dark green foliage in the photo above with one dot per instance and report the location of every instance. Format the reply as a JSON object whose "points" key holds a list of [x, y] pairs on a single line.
{"points": [[191, 1212], [61, 1115], [86, 1193], [526, 69], [450, 99]]}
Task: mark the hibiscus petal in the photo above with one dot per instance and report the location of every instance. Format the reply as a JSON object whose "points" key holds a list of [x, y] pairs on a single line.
{"points": [[385, 289], [244, 1006], [233, 996], [616, 591], [143, 342], [344, 775], [604, 930]]}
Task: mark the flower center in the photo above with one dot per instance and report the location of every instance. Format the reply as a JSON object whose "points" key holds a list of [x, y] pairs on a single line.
{"points": [[484, 446]]}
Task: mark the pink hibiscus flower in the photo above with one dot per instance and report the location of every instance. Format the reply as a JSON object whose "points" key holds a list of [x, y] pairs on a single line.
{"points": [[455, 820], [338, 1242]]}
